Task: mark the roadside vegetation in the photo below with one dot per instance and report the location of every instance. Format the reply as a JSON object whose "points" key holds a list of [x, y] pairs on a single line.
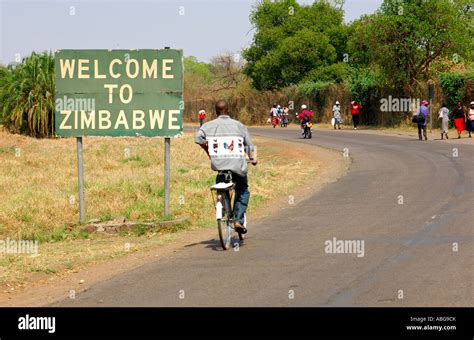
{"points": [[307, 54], [27, 96], [300, 54]]}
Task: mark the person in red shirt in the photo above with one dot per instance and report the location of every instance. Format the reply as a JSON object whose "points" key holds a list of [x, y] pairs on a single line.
{"points": [[202, 116], [355, 110], [304, 116]]}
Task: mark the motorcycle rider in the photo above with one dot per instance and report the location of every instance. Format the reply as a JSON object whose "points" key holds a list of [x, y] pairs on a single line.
{"points": [[304, 116]]}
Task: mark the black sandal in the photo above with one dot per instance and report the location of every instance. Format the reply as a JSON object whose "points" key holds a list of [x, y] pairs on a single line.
{"points": [[240, 230]]}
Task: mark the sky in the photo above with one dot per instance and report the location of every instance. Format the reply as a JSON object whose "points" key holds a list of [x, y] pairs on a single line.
{"points": [[202, 28]]}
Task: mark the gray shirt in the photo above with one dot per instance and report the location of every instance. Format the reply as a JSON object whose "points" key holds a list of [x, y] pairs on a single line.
{"points": [[228, 141]]}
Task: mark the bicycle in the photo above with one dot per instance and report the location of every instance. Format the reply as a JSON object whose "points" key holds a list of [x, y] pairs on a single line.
{"points": [[225, 210]]}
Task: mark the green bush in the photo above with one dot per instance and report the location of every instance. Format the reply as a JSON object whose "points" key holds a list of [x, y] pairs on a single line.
{"points": [[364, 84], [335, 73], [27, 96], [457, 87], [313, 89]]}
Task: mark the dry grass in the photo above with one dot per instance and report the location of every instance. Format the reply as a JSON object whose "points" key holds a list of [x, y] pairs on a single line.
{"points": [[36, 189]]}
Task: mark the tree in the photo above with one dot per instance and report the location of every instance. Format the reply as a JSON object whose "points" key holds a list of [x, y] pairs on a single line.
{"points": [[406, 37], [293, 40], [27, 96], [228, 72], [198, 68]]}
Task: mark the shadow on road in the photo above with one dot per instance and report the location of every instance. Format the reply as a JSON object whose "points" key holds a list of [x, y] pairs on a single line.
{"points": [[215, 244]]}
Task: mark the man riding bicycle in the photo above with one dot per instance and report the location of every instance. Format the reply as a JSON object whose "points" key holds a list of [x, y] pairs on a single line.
{"points": [[226, 141]]}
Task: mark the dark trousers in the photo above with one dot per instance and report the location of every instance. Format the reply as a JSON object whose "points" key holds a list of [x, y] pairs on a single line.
{"points": [[201, 121], [355, 119], [242, 195], [420, 129]]}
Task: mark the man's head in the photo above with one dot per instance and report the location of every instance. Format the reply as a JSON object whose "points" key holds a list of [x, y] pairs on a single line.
{"points": [[222, 108]]}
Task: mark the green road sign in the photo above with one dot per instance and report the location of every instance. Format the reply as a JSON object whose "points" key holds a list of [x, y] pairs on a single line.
{"points": [[119, 93]]}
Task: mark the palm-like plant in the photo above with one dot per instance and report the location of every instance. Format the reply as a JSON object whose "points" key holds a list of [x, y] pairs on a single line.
{"points": [[27, 96]]}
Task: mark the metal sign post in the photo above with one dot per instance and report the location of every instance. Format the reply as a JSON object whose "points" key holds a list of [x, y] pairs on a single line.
{"points": [[167, 170], [430, 96], [167, 175], [80, 181]]}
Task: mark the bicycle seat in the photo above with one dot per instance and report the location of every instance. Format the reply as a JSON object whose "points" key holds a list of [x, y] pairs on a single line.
{"points": [[221, 186]]}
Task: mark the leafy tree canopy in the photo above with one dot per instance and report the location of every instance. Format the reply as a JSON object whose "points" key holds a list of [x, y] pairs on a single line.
{"points": [[406, 37], [291, 40]]}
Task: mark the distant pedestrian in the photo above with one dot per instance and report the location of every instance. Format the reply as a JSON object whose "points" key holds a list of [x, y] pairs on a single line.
{"points": [[355, 111], [336, 111], [279, 110], [273, 111], [280, 114], [459, 116], [423, 114], [274, 115], [202, 116], [470, 119], [444, 120], [286, 111]]}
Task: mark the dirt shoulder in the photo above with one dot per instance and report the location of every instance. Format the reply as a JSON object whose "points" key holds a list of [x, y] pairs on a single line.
{"points": [[41, 288]]}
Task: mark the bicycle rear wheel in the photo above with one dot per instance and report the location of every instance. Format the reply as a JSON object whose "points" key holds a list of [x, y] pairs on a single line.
{"points": [[224, 224], [224, 228]]}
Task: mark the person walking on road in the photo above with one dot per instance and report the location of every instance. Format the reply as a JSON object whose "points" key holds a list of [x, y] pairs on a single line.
{"points": [[459, 116], [355, 111], [336, 111], [274, 115], [202, 116], [286, 111], [423, 114], [216, 135], [470, 119], [280, 114], [444, 120]]}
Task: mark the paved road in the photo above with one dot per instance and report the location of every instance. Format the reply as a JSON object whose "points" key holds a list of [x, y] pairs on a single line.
{"points": [[409, 258]]}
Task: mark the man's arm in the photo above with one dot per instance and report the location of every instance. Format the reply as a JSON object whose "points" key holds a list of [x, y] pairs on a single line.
{"points": [[201, 140], [249, 147], [204, 147]]}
